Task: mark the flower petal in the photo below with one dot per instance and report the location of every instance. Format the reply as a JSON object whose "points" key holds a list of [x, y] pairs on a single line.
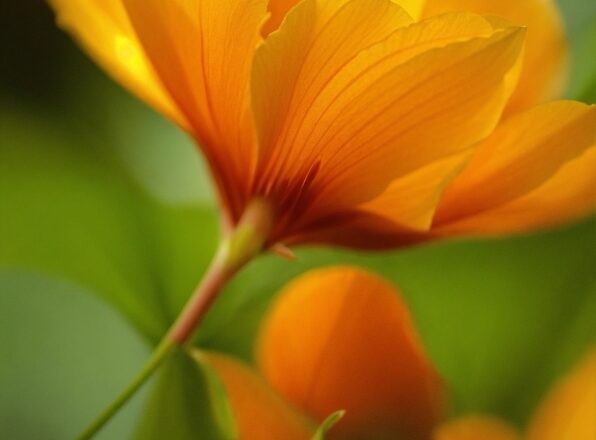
{"points": [[527, 173], [341, 338], [280, 8], [317, 39], [202, 51], [569, 412], [400, 105], [260, 414], [544, 73], [412, 7], [103, 28], [476, 428], [411, 201], [570, 194]]}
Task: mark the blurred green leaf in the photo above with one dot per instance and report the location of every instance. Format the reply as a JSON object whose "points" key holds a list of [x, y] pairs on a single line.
{"points": [[327, 424], [583, 80], [71, 210], [580, 20], [68, 210], [187, 402], [578, 14], [64, 357]]}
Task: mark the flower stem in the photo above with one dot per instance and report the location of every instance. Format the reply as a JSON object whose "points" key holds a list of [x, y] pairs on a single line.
{"points": [[235, 251]]}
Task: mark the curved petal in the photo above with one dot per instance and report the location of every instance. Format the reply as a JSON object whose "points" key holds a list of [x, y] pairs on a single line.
{"points": [[545, 64], [260, 414], [317, 40], [341, 338], [103, 28], [535, 169], [411, 201], [476, 428], [202, 51], [393, 108], [568, 195], [279, 10], [412, 7], [569, 411]]}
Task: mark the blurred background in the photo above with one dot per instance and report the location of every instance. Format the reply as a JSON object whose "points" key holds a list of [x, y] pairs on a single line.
{"points": [[107, 221]]}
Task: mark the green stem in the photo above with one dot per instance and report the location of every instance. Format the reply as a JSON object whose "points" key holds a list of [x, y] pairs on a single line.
{"points": [[241, 246]]}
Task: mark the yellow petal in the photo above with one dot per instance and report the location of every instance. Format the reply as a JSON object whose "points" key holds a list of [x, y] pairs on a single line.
{"points": [[528, 172], [280, 8], [341, 338], [317, 39], [202, 51], [568, 195], [260, 414], [411, 200], [103, 28], [425, 93], [413, 7], [544, 73], [569, 411], [476, 428]]}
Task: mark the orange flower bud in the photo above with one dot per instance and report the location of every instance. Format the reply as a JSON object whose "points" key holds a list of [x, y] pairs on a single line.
{"points": [[341, 338]]}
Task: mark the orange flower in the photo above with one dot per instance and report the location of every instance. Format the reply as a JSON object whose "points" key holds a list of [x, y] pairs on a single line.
{"points": [[349, 118], [341, 338]]}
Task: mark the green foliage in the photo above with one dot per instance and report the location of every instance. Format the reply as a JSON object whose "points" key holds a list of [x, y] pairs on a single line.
{"points": [[75, 213], [187, 402], [65, 355], [69, 211], [580, 20]]}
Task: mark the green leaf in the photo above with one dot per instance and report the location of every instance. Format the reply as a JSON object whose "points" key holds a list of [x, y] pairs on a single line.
{"points": [[583, 80], [73, 212], [68, 210], [580, 20], [221, 406], [187, 402], [65, 355], [328, 424]]}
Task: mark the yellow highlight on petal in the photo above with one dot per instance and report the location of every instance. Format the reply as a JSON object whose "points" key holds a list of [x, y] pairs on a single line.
{"points": [[128, 54], [569, 412], [476, 428]]}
